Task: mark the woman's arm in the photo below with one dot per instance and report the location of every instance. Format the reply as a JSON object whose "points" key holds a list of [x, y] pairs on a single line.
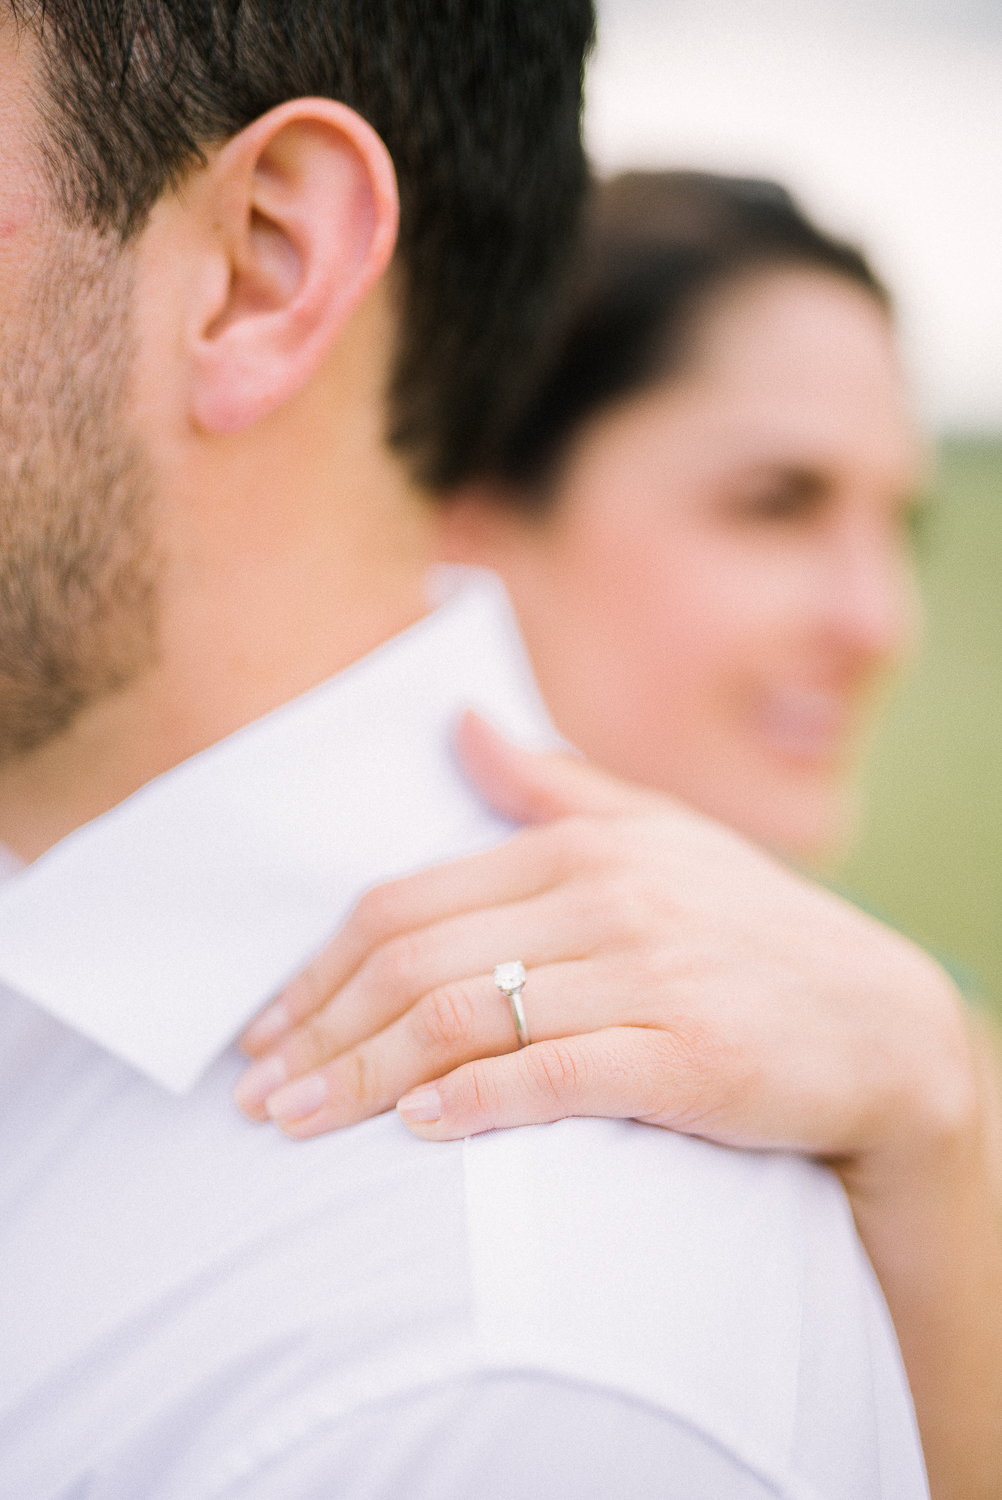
{"points": [[681, 976]]}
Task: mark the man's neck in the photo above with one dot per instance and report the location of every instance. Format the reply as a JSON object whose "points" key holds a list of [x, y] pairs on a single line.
{"points": [[288, 551], [177, 709], [124, 741]]}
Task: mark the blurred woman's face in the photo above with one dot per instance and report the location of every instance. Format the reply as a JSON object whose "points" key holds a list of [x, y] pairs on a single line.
{"points": [[724, 574]]}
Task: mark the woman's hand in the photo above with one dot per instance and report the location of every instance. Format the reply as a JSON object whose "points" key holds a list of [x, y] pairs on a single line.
{"points": [[681, 976], [676, 974]]}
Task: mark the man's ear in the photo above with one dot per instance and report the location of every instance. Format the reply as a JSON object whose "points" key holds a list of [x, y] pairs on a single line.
{"points": [[300, 218]]}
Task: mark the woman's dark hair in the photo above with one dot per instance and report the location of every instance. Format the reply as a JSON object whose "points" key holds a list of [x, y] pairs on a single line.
{"points": [[659, 246], [477, 101]]}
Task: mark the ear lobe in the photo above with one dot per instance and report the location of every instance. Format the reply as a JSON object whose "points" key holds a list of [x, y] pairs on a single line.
{"points": [[301, 216]]}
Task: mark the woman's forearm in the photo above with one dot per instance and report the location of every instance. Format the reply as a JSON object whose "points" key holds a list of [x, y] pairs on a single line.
{"points": [[933, 1231]]}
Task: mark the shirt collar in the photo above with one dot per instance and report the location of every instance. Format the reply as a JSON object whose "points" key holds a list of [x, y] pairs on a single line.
{"points": [[160, 928]]}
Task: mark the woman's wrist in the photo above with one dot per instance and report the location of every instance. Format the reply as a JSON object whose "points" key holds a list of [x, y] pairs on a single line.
{"points": [[931, 1109]]}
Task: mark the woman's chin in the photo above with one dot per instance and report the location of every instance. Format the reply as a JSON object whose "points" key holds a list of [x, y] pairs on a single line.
{"points": [[820, 837], [812, 821]]}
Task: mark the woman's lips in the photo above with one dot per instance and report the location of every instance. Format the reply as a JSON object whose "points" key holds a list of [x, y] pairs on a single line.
{"points": [[805, 724]]}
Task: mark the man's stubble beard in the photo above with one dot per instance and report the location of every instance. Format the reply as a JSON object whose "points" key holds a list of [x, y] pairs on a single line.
{"points": [[78, 568]]}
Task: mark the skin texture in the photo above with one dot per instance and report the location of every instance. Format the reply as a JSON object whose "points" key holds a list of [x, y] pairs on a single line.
{"points": [[722, 577], [77, 571]]}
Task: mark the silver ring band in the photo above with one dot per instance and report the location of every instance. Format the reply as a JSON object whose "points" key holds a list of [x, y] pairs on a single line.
{"points": [[510, 980]]}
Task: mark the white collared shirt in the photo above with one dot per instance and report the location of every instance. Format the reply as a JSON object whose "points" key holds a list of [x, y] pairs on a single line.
{"points": [[195, 1308]]}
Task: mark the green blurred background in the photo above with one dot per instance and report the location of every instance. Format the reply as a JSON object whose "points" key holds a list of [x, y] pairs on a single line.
{"points": [[930, 859]]}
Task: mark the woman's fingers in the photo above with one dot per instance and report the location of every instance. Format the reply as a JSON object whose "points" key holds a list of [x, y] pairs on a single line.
{"points": [[508, 873], [544, 897], [527, 786], [458, 1021], [451, 1025], [558, 926], [534, 861], [621, 1072], [530, 786]]}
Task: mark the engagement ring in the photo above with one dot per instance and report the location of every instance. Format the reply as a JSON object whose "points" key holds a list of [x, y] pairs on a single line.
{"points": [[510, 980]]}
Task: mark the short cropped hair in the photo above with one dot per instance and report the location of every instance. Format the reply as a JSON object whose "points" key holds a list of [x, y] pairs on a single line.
{"points": [[477, 101], [657, 249]]}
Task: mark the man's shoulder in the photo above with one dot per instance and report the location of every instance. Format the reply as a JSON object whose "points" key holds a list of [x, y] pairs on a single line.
{"points": [[608, 1241], [726, 1287], [608, 1255]]}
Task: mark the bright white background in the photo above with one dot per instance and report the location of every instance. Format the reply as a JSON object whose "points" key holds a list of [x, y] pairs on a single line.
{"points": [[884, 116]]}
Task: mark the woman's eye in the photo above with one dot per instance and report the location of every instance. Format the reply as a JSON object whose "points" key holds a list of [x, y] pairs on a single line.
{"points": [[790, 496]]}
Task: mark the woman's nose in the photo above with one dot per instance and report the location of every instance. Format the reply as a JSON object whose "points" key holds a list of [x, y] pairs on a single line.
{"points": [[874, 598]]}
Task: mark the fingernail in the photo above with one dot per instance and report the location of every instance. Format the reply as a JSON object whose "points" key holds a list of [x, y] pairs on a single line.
{"points": [[421, 1107], [299, 1099], [260, 1081], [271, 1023]]}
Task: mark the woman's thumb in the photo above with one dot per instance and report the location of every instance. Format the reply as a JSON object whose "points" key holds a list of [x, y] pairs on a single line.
{"points": [[532, 786]]}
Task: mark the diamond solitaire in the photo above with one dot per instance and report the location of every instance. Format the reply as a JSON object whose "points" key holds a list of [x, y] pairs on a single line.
{"points": [[510, 978]]}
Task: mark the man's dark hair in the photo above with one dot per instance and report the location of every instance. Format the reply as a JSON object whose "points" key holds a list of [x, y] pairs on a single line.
{"points": [[658, 248], [477, 101]]}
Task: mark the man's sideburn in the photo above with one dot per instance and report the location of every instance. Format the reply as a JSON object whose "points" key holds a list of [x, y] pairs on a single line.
{"points": [[78, 570]]}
